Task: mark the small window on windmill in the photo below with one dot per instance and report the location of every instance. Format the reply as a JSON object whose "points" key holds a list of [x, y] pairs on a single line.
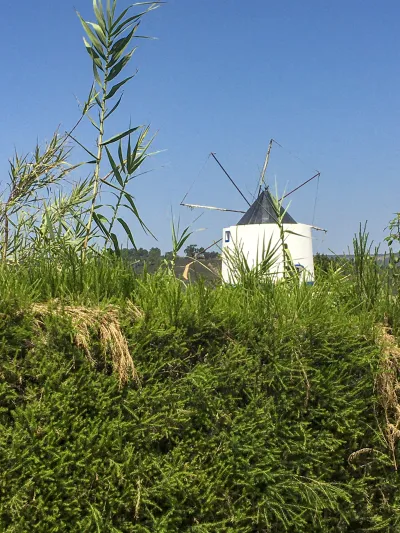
{"points": [[227, 236]]}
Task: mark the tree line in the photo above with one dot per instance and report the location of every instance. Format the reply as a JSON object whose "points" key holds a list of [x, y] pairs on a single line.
{"points": [[154, 256]]}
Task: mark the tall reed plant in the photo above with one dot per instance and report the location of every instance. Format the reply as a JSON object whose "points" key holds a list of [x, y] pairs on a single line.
{"points": [[40, 210]]}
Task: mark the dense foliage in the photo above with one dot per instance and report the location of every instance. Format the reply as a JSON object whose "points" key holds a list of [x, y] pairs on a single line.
{"points": [[252, 400]]}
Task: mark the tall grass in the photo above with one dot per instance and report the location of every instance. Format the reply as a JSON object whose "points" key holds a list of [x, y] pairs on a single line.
{"points": [[256, 406], [42, 212]]}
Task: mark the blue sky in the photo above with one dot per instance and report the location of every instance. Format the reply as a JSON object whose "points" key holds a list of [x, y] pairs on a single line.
{"points": [[322, 78]]}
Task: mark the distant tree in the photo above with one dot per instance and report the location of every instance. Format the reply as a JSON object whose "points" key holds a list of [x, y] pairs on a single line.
{"points": [[154, 254], [141, 253], [211, 255], [191, 250]]}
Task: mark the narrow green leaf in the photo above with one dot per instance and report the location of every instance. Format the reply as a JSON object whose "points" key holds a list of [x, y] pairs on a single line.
{"points": [[111, 185], [82, 146], [114, 5], [97, 78], [114, 167], [117, 86], [93, 37], [127, 230], [94, 55], [116, 30], [128, 154], [123, 42], [49, 225], [127, 24], [111, 206], [182, 241], [121, 16], [99, 13], [136, 164], [134, 210], [99, 32], [100, 221], [120, 46], [120, 65], [146, 37], [89, 102], [139, 153], [115, 242], [121, 157], [109, 14], [119, 136], [114, 108], [93, 122]]}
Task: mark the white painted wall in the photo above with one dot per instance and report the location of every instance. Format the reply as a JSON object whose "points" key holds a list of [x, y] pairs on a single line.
{"points": [[253, 238]]}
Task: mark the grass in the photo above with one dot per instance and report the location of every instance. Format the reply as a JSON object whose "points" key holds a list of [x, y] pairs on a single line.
{"points": [[138, 403]]}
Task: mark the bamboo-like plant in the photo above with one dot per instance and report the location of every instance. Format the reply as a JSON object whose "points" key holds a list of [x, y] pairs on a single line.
{"points": [[289, 270], [108, 42], [38, 211], [179, 239], [31, 178]]}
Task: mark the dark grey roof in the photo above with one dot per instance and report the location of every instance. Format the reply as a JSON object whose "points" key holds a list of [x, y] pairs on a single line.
{"points": [[263, 211]]}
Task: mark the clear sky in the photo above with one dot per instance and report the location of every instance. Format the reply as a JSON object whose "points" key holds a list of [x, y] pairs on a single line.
{"points": [[321, 77]]}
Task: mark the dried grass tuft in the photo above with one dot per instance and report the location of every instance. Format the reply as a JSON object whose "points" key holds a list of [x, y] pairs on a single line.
{"points": [[134, 310], [355, 455], [186, 271], [106, 322], [388, 387]]}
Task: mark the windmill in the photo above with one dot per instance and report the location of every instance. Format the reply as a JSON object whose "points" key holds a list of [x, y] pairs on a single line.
{"points": [[265, 227]]}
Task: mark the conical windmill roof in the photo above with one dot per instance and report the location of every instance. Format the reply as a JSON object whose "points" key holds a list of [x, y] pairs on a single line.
{"points": [[263, 211]]}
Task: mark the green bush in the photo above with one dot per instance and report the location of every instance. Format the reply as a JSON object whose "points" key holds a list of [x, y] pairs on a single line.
{"points": [[250, 403]]}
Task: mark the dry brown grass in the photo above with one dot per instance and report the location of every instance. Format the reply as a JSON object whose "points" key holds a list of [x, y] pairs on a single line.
{"points": [[105, 323], [388, 388], [186, 271], [355, 455]]}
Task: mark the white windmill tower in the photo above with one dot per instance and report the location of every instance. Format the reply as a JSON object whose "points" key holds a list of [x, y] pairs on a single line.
{"points": [[266, 226]]}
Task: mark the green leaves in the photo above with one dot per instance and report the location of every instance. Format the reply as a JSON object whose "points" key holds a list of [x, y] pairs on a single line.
{"points": [[122, 23], [127, 230], [115, 168], [116, 69], [100, 34], [135, 212], [99, 13], [93, 37], [120, 46], [109, 113], [101, 221], [119, 136], [38, 210], [116, 87], [94, 55], [107, 43], [82, 146], [123, 174]]}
